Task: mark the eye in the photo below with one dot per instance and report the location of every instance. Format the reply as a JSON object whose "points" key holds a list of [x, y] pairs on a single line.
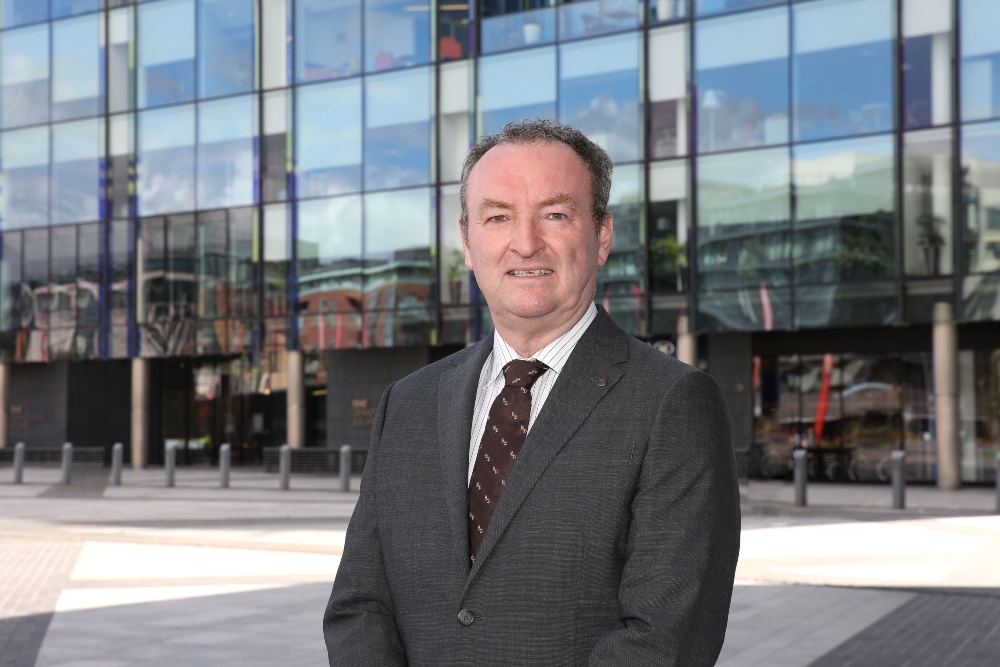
{"points": [[497, 218], [557, 216]]}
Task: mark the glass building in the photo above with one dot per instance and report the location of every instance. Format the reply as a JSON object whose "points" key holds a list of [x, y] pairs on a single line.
{"points": [[236, 220]]}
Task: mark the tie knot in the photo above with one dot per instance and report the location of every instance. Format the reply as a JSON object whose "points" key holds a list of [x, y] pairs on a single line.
{"points": [[521, 373]]}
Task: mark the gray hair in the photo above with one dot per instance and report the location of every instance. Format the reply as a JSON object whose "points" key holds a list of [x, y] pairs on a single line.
{"points": [[596, 159]]}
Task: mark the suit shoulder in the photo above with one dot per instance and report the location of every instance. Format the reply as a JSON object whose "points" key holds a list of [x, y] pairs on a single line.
{"points": [[420, 379], [666, 368]]}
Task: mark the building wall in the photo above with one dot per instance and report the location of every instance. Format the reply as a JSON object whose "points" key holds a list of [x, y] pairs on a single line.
{"points": [[39, 394]]}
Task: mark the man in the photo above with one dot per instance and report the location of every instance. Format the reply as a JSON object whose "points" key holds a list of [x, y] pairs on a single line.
{"points": [[559, 493]]}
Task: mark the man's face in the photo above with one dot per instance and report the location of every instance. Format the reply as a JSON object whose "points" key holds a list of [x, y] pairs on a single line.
{"points": [[532, 240]]}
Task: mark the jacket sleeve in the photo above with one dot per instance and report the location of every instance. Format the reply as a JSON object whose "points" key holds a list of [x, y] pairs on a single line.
{"points": [[359, 625], [683, 541]]}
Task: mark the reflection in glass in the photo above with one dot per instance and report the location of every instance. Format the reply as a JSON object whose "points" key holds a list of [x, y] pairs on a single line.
{"points": [[761, 308], [981, 197], [59, 295], [77, 67], [705, 7], [275, 157], [521, 29], [393, 328], [225, 47], [454, 278], [211, 265], [842, 77], [275, 33], [24, 158], [61, 8], [846, 305], [166, 52], [398, 129], [821, 420], [926, 63], [624, 273], [277, 254], [328, 246], [454, 31], [667, 10], [668, 227], [506, 95], [668, 58], [24, 76], [121, 164], [980, 68], [628, 313], [121, 87], [399, 237], [120, 247], [327, 39], [86, 344], [34, 297], [19, 12], [454, 118], [597, 17], [328, 138], [845, 211], [871, 391], [599, 92], [397, 34], [166, 160], [226, 157], [242, 262], [927, 247], [741, 75], [77, 149], [10, 280], [776, 412], [981, 297], [743, 214]]}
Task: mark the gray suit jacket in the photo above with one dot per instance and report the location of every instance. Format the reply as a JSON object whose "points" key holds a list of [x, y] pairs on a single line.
{"points": [[614, 542]]}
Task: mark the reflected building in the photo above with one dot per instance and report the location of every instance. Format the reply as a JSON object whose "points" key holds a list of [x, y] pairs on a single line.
{"points": [[241, 215]]}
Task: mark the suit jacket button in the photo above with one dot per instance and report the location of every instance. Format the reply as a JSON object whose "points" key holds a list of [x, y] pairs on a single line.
{"points": [[465, 617]]}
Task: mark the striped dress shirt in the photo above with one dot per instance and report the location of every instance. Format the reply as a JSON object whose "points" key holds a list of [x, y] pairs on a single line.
{"points": [[491, 380]]}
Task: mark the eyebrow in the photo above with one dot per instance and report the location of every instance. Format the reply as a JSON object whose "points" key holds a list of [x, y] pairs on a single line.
{"points": [[560, 199], [493, 203]]}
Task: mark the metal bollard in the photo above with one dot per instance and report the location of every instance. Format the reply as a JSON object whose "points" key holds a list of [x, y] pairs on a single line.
{"points": [[345, 467], [898, 480], [799, 475], [19, 463], [225, 460], [170, 464], [117, 452], [285, 466], [67, 463]]}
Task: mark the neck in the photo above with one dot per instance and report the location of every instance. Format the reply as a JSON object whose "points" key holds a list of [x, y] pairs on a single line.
{"points": [[528, 342]]}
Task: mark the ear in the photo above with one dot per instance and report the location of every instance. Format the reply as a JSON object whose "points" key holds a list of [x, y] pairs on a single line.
{"points": [[464, 231], [605, 237]]}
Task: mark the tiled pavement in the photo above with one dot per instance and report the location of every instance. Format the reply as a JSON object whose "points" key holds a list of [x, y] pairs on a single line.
{"points": [[196, 575]]}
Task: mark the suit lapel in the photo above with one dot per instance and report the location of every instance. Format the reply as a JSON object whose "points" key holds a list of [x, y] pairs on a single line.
{"points": [[600, 353], [456, 402]]}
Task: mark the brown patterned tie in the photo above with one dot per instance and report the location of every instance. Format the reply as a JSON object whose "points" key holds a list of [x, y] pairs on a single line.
{"points": [[506, 429]]}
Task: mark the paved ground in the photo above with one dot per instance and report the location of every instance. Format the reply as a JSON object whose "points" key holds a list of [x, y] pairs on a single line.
{"points": [[99, 576]]}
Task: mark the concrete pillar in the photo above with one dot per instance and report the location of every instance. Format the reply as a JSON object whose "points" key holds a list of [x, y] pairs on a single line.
{"points": [[296, 399], [946, 397], [687, 342], [140, 412], [4, 399]]}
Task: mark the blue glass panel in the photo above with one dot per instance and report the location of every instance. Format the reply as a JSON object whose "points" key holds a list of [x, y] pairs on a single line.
{"points": [[842, 80], [24, 159], [77, 67], [61, 8], [24, 76], [822, 306], [667, 10], [980, 21], [77, 152], [329, 256], [399, 233], [398, 129], [599, 92], [327, 39], [397, 34], [506, 94], [706, 7], [166, 160], [19, 12], [624, 273], [515, 31], [328, 138], [597, 17], [926, 71], [225, 47], [741, 78], [166, 52], [227, 152], [981, 193]]}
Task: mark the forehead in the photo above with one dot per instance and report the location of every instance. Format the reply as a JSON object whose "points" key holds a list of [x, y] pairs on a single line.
{"points": [[536, 165]]}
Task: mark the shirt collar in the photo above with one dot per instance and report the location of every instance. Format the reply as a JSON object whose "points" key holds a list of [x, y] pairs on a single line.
{"points": [[554, 355]]}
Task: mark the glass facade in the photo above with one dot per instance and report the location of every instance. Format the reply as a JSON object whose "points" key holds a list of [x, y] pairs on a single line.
{"points": [[222, 177]]}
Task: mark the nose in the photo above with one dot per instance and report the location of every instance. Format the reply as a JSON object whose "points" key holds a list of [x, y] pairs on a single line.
{"points": [[527, 240]]}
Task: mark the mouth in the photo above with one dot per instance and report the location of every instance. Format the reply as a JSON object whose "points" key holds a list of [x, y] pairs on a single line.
{"points": [[529, 274]]}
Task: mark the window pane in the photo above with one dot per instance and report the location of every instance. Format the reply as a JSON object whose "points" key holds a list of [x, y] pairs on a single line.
{"points": [[327, 39], [398, 129], [328, 138], [980, 20], [61, 8], [277, 253], [274, 39], [842, 72], [35, 302], [704, 7], [274, 146], [61, 290], [624, 273], [668, 59], [77, 67], [88, 281], [515, 31], [453, 31], [211, 266], [10, 281], [166, 52], [181, 267], [121, 87], [225, 47], [24, 70], [668, 227], [506, 95], [24, 158], [454, 105], [599, 92], [760, 308], [597, 17], [166, 160], [667, 10], [77, 152], [927, 216], [399, 233], [743, 215], [742, 80], [845, 225], [981, 197], [926, 63], [226, 161], [397, 34], [243, 244], [875, 304], [119, 272], [121, 164], [329, 255], [19, 12], [150, 275], [454, 279]]}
